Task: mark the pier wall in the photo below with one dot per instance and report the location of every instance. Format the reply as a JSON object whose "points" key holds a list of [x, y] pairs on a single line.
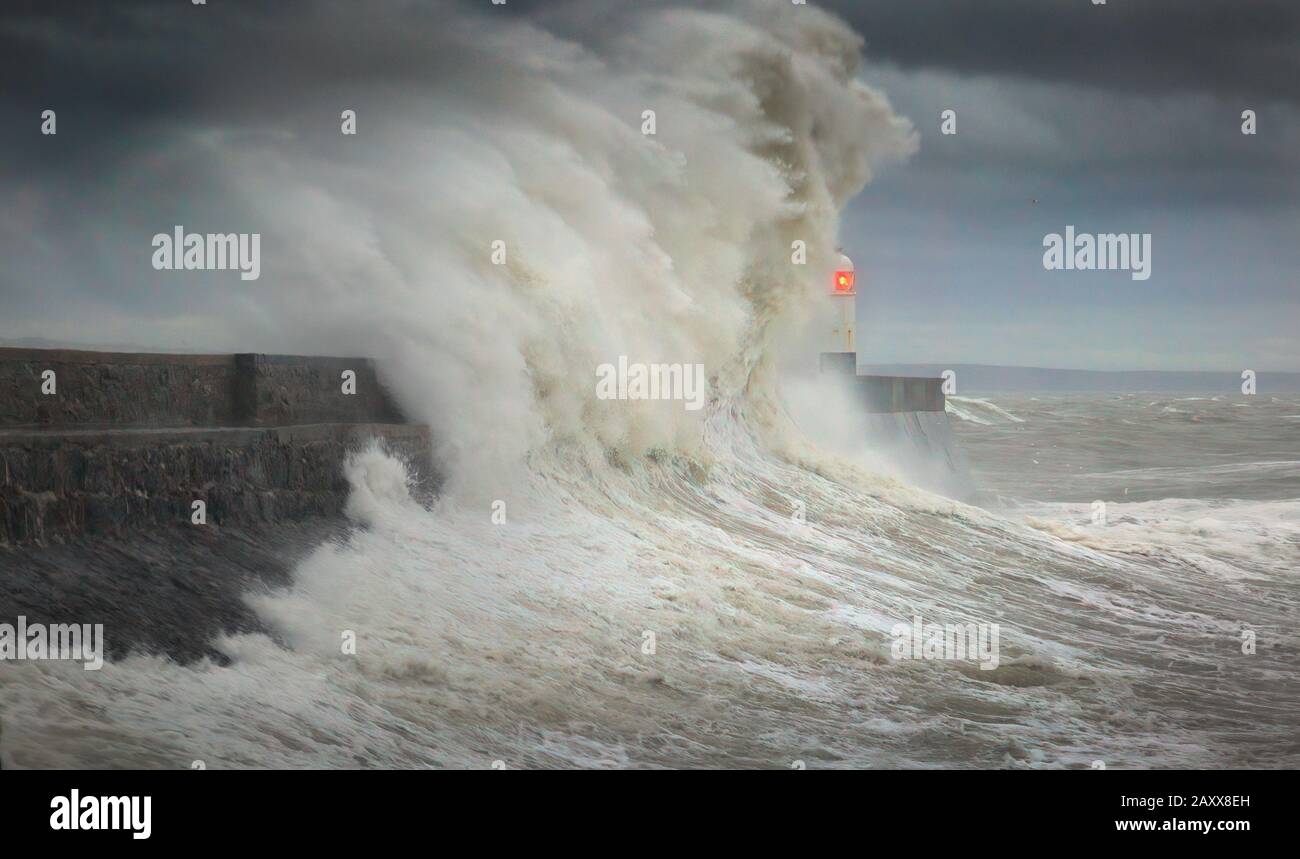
{"points": [[886, 394], [906, 420], [121, 389], [127, 441]]}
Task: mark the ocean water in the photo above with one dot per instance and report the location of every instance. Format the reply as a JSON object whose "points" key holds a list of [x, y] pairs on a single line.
{"points": [[527, 643], [658, 587], [1133, 447]]}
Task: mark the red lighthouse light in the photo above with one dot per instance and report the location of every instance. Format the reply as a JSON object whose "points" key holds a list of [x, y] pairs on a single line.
{"points": [[844, 282]]}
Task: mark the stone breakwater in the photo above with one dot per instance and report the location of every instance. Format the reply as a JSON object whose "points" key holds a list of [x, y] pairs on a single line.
{"points": [[95, 443], [57, 388], [65, 483], [905, 420], [103, 456]]}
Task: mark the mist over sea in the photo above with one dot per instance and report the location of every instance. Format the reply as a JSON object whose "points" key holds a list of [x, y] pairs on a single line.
{"points": [[665, 587], [525, 643]]}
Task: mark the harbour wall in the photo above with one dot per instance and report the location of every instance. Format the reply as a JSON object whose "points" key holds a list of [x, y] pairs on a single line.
{"points": [[95, 443], [886, 394], [906, 419]]}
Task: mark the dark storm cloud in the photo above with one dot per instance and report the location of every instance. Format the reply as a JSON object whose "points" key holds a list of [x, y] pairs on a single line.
{"points": [[1242, 48], [144, 57], [1124, 116], [164, 59], [145, 93]]}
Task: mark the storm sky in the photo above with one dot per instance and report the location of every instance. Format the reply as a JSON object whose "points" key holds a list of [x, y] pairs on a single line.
{"points": [[1116, 117], [1123, 117]]}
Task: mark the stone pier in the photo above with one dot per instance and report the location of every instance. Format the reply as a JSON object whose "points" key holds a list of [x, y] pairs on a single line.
{"points": [[100, 443]]}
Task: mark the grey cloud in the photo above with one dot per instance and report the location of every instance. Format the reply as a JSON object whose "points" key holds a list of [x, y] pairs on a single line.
{"points": [[1227, 47], [1124, 115]]}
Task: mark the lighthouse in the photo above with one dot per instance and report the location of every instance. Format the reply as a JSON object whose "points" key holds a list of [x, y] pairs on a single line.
{"points": [[901, 416], [844, 294]]}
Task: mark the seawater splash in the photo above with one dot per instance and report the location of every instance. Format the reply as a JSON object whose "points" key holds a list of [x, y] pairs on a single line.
{"points": [[525, 640], [979, 410]]}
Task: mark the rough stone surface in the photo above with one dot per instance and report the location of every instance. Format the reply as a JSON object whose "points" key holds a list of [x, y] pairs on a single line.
{"points": [[288, 390], [153, 390], [55, 485], [97, 484], [130, 440], [124, 390]]}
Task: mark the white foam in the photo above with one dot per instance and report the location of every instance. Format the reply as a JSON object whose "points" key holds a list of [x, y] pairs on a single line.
{"points": [[979, 411]]}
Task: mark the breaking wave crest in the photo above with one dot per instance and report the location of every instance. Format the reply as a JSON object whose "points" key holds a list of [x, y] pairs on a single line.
{"points": [[620, 583], [979, 411]]}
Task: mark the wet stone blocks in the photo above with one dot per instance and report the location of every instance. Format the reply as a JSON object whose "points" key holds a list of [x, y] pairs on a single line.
{"points": [[131, 441]]}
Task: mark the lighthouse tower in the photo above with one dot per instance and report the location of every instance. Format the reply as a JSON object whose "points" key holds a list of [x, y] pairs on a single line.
{"points": [[844, 294]]}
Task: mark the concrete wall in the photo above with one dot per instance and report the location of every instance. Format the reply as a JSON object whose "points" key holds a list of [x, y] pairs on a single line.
{"points": [[922, 445], [114, 389], [887, 394], [61, 484], [906, 424], [58, 484], [274, 390], [892, 394], [132, 440]]}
